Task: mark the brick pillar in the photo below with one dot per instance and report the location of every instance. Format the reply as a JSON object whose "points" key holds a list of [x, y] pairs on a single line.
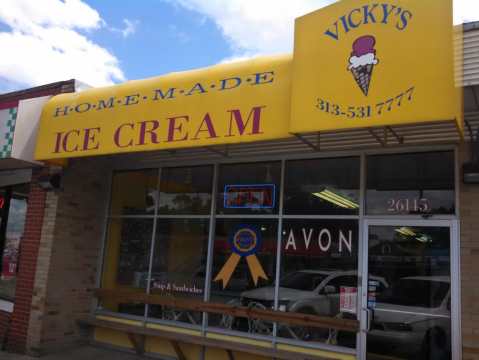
{"points": [[17, 334]]}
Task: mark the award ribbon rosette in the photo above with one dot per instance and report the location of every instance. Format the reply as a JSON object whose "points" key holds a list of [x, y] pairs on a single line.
{"points": [[245, 242]]}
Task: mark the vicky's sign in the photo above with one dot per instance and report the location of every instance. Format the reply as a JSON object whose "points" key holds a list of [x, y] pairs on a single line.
{"points": [[366, 63]]}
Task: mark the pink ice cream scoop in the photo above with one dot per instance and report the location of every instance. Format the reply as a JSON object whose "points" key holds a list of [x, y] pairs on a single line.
{"points": [[364, 45]]}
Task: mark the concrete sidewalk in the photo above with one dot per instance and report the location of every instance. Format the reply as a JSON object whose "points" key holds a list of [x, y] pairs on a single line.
{"points": [[81, 353]]}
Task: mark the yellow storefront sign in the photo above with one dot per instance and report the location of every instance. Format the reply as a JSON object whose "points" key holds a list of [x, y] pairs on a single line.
{"points": [[225, 104], [360, 63]]}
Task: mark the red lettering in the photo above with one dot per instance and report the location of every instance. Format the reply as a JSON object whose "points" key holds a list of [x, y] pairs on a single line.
{"points": [[254, 116], [117, 135], [66, 138], [144, 130], [90, 139], [173, 127], [209, 128], [58, 142]]}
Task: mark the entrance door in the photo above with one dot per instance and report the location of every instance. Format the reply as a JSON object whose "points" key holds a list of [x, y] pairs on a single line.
{"points": [[407, 299]]}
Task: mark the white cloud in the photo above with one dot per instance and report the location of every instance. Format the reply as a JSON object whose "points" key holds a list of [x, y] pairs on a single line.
{"points": [[255, 27], [48, 41], [129, 29], [466, 11]]}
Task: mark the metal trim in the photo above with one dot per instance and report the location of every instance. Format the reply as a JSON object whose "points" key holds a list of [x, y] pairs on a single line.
{"points": [[152, 245], [279, 248], [211, 238]]}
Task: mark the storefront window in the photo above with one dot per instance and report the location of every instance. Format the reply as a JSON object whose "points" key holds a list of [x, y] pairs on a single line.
{"points": [[319, 276], [179, 266], [127, 261], [249, 188], [319, 247], [134, 192], [244, 267], [421, 183], [13, 210], [412, 316], [186, 190], [322, 186]]}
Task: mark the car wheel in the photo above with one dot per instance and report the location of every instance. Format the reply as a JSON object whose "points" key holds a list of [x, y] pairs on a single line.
{"points": [[434, 345], [306, 333], [257, 326]]}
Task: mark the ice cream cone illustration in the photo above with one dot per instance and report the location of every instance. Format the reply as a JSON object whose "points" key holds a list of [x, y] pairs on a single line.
{"points": [[362, 61]]}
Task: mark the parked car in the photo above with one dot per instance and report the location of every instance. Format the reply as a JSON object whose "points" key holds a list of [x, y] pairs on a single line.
{"points": [[412, 319], [315, 292]]}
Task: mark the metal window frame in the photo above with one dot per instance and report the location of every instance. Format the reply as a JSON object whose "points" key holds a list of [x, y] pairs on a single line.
{"points": [[453, 226], [362, 218]]}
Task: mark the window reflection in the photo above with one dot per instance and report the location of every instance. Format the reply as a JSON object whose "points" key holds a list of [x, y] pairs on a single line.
{"points": [[244, 279], [249, 188], [127, 261], [319, 276], [420, 183], [13, 210], [322, 186], [134, 192], [412, 316], [179, 266], [186, 190]]}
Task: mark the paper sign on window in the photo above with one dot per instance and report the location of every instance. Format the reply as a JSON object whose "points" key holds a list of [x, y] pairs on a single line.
{"points": [[348, 299]]}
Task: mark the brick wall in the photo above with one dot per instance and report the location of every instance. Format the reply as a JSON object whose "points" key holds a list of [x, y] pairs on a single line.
{"points": [[469, 202], [69, 255], [17, 333], [4, 324]]}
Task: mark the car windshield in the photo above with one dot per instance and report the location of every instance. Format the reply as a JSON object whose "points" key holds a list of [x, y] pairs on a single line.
{"points": [[415, 292], [302, 281]]}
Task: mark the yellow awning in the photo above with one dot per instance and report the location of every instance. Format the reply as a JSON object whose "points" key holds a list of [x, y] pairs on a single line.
{"points": [[224, 104]]}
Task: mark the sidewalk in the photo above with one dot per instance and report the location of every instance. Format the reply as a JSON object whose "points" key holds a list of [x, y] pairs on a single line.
{"points": [[81, 353]]}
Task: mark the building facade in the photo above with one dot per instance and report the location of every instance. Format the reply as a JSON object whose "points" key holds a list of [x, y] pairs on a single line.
{"points": [[204, 215]]}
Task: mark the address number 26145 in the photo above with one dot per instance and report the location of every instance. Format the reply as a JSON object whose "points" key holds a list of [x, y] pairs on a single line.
{"points": [[409, 206]]}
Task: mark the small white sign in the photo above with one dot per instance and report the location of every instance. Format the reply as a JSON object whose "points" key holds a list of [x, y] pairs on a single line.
{"points": [[348, 299]]}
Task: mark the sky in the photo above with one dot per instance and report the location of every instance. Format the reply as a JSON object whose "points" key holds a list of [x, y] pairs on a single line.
{"points": [[104, 42]]}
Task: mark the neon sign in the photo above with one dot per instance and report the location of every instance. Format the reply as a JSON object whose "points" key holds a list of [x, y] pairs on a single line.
{"points": [[261, 196]]}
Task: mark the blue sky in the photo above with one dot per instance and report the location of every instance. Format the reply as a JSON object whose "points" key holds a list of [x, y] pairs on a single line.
{"points": [[166, 38], [103, 42]]}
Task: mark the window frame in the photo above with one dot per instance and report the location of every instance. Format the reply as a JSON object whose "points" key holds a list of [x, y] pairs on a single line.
{"points": [[280, 216]]}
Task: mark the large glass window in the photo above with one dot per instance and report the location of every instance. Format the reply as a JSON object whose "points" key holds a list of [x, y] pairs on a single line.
{"points": [[322, 186], [134, 192], [318, 269], [127, 261], [412, 314], [249, 188], [244, 268], [421, 183], [167, 213], [13, 211], [186, 190], [179, 266]]}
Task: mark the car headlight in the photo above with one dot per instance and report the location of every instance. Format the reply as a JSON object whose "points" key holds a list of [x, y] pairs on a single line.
{"points": [[397, 326]]}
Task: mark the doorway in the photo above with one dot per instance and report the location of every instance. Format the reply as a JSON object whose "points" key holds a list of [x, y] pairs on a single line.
{"points": [[412, 312]]}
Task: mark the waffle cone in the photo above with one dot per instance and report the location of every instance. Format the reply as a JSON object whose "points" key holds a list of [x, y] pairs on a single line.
{"points": [[363, 75]]}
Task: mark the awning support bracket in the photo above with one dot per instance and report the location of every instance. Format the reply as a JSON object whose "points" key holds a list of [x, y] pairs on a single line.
{"points": [[376, 136], [309, 143], [218, 152], [387, 129], [469, 128], [400, 139]]}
